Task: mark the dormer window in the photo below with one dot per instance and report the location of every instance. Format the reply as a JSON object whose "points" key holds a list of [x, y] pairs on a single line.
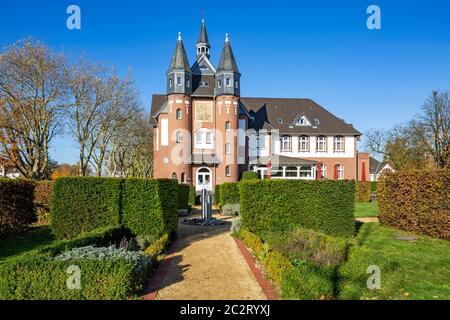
{"points": [[317, 122], [280, 120], [302, 121]]}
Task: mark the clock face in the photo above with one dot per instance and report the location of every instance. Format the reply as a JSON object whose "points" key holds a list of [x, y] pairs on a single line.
{"points": [[203, 111]]}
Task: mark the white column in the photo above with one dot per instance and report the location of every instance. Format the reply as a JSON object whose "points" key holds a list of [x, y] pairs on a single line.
{"points": [[298, 171], [284, 171]]}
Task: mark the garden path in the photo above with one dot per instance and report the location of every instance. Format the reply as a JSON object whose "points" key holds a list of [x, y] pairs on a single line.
{"points": [[204, 263]]}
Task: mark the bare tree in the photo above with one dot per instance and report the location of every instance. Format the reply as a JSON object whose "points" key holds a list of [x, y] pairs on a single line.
{"points": [[435, 119], [31, 99]]}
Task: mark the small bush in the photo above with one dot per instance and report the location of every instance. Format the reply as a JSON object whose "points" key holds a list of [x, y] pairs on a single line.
{"points": [[42, 201], [82, 204], [252, 241], [183, 196], [17, 210], [150, 207], [276, 265], [363, 191], [308, 245], [236, 226], [249, 175], [416, 201], [217, 195], [281, 205], [229, 193], [157, 247], [106, 273]]}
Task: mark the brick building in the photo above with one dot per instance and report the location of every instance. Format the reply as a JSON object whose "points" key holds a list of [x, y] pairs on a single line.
{"points": [[205, 133]]}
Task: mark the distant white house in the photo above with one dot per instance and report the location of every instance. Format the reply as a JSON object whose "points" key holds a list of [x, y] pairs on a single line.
{"points": [[377, 168], [8, 171]]}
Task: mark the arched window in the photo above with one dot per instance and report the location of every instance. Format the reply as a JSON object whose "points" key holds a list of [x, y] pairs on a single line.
{"points": [[219, 83], [227, 126], [321, 144], [303, 144], [183, 177], [178, 137], [338, 143], [198, 137], [174, 176], [227, 171], [208, 137], [204, 139], [286, 144]]}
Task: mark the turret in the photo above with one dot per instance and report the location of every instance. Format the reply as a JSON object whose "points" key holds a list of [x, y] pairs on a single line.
{"points": [[179, 75], [227, 76]]}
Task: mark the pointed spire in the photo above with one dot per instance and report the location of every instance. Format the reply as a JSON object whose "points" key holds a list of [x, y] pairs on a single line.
{"points": [[179, 58], [227, 61], [203, 38]]}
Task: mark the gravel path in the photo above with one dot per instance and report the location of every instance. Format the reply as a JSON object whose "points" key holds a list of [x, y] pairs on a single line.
{"points": [[207, 264]]}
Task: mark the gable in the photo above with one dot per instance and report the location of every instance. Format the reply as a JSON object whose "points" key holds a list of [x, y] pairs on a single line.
{"points": [[203, 67]]}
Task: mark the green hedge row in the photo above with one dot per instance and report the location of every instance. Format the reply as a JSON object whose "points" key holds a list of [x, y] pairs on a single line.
{"points": [[183, 196], [17, 209], [249, 175], [229, 193], [280, 205], [82, 204]]}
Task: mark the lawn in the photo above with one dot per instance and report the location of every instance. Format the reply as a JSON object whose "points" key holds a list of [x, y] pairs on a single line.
{"points": [[363, 210], [423, 264], [25, 243]]}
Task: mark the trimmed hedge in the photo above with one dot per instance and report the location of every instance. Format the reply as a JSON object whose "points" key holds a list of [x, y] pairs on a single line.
{"points": [[192, 196], [229, 193], [82, 204], [17, 210], [249, 175], [363, 191], [183, 196], [150, 207], [217, 195], [416, 201], [280, 205], [42, 200]]}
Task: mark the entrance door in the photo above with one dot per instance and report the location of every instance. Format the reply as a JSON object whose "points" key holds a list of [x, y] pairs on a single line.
{"points": [[203, 180]]}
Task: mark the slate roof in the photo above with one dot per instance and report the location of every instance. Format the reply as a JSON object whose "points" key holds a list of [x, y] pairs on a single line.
{"points": [[375, 166], [179, 58], [227, 60], [266, 112], [203, 37]]}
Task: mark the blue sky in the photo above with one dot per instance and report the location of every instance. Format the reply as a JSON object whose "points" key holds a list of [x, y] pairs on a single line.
{"points": [[316, 49]]}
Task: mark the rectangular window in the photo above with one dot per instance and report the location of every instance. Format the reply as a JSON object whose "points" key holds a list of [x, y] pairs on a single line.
{"points": [[179, 137], [219, 84], [170, 83], [323, 170], [286, 144], [236, 84], [198, 138], [208, 138], [227, 148], [178, 81], [338, 143], [227, 171], [228, 82], [303, 144], [321, 144], [179, 114], [188, 83], [340, 171]]}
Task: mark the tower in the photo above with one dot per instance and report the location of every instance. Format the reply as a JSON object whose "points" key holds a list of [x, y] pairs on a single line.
{"points": [[178, 121], [227, 91], [203, 45]]}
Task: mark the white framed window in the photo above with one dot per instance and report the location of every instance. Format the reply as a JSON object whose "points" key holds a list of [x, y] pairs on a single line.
{"points": [[208, 138], [227, 171], [321, 144], [303, 144], [219, 83], [199, 137], [236, 84], [178, 81], [178, 137], [340, 171], [228, 82], [262, 141], [179, 114], [170, 82], [305, 172], [339, 144], [227, 148], [286, 143], [227, 126], [323, 170]]}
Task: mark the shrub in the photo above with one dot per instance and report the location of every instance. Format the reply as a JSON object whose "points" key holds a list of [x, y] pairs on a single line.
{"points": [[276, 265], [363, 191], [17, 210], [106, 273], [42, 200], [416, 201], [235, 226], [183, 196], [251, 240], [192, 196], [217, 195], [280, 205], [308, 245], [81, 204], [150, 207], [249, 175], [229, 193], [157, 247], [353, 275], [373, 186]]}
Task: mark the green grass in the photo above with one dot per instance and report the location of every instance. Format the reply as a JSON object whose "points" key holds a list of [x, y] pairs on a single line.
{"points": [[423, 264], [22, 244], [363, 210]]}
